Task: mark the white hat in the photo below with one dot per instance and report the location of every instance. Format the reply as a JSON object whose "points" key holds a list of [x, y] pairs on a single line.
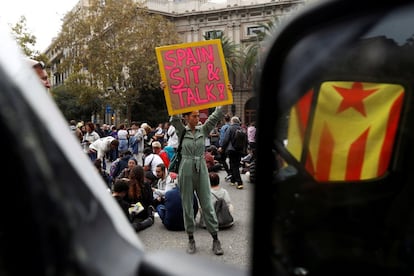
{"points": [[35, 63], [156, 144]]}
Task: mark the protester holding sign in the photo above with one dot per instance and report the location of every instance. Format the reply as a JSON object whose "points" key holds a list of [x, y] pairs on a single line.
{"points": [[193, 173], [194, 77]]}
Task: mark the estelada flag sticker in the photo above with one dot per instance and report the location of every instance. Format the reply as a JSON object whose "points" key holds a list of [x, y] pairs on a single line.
{"points": [[352, 132], [195, 75]]}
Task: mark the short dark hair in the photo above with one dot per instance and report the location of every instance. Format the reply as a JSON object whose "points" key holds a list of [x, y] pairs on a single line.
{"points": [[133, 159], [161, 165], [214, 179], [121, 185], [212, 149], [125, 153], [90, 125], [147, 150]]}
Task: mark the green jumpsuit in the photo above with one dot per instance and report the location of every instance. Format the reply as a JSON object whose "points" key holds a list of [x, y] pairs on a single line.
{"points": [[193, 173]]}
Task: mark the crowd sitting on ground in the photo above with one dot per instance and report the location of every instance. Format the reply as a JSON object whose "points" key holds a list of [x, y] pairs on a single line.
{"points": [[138, 176], [140, 141]]}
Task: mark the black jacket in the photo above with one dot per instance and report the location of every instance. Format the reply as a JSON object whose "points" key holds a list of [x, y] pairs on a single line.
{"points": [[228, 137]]}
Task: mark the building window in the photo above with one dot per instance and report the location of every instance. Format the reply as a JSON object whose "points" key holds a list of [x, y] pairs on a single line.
{"points": [[213, 18], [255, 30], [213, 34], [256, 14]]}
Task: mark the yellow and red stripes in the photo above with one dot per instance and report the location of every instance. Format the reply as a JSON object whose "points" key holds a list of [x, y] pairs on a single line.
{"points": [[353, 129]]}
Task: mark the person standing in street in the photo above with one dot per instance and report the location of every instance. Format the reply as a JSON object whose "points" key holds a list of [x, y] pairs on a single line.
{"points": [[233, 154], [251, 135], [172, 138], [122, 138], [223, 155], [75, 130], [139, 142], [193, 174], [89, 137]]}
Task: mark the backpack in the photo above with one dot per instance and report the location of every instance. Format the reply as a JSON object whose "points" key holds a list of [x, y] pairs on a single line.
{"points": [[239, 140], [114, 170], [224, 217]]}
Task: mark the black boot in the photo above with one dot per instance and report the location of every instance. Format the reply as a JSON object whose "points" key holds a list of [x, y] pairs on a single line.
{"points": [[141, 225], [151, 211], [217, 247]]}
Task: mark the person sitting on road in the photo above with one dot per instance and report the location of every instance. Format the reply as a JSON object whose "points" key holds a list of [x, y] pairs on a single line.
{"points": [[160, 188], [219, 192], [140, 191], [157, 149], [118, 165], [247, 160], [132, 162], [119, 192], [170, 152], [151, 160], [213, 165], [171, 210]]}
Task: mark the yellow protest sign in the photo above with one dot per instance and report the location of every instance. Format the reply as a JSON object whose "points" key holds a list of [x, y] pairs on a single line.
{"points": [[195, 75]]}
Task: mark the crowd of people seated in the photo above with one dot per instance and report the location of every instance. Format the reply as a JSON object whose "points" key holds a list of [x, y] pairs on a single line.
{"points": [[138, 176]]}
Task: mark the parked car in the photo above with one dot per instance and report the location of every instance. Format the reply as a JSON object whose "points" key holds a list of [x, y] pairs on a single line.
{"points": [[334, 161], [335, 142]]}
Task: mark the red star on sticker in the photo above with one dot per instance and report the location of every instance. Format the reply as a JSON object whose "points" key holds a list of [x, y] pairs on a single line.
{"points": [[353, 97]]}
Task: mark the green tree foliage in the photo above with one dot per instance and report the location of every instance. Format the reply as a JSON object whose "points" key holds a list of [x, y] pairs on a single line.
{"points": [[111, 46], [68, 104], [24, 38], [151, 108], [248, 65]]}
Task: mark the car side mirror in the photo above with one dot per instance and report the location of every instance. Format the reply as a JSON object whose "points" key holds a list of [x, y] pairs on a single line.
{"points": [[335, 142]]}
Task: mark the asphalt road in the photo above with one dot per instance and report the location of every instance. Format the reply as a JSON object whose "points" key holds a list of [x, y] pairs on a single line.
{"points": [[235, 241]]}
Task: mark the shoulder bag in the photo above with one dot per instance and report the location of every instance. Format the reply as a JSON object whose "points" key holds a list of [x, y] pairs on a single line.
{"points": [[224, 217], [176, 159]]}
